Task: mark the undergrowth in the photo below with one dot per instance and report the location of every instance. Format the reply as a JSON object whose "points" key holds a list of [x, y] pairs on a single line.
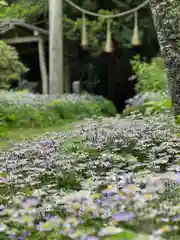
{"points": [[26, 110]]}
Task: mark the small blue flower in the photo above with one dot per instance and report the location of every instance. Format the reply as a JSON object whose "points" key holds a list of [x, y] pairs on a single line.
{"points": [[176, 218], [117, 197], [22, 238], [2, 227], [44, 227], [1, 207], [123, 216], [30, 202], [12, 236], [155, 162]]}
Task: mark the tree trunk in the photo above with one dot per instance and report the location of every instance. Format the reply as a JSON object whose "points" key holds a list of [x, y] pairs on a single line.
{"points": [[167, 23]]}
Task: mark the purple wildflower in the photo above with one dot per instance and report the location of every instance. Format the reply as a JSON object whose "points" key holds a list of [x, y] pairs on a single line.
{"points": [[110, 191], [117, 197], [176, 218], [67, 225], [25, 234], [123, 216], [2, 212], [177, 177], [67, 231], [30, 202], [80, 212], [155, 162], [1, 207], [99, 201], [2, 227], [81, 221], [44, 227], [3, 180], [12, 236], [22, 237], [48, 216]]}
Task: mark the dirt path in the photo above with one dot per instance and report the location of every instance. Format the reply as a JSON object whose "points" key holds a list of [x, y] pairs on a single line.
{"points": [[76, 129], [115, 123]]}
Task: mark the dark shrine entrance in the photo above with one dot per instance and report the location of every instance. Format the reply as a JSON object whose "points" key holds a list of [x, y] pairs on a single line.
{"points": [[112, 71], [28, 54]]}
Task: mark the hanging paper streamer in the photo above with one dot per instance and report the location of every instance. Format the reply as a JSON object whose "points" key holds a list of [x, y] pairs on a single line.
{"points": [[84, 34], [108, 45], [136, 36]]}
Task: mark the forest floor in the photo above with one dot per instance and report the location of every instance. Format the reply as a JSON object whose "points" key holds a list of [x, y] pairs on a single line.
{"points": [[16, 136], [19, 135], [103, 177]]}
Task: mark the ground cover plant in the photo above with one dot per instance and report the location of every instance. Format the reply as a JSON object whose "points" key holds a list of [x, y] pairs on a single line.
{"points": [[148, 103], [27, 110], [100, 181], [108, 178], [111, 178], [27, 134]]}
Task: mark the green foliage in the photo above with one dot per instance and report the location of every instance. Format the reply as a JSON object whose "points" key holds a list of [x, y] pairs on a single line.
{"points": [[28, 10], [31, 10], [2, 8], [150, 107], [10, 65], [3, 129], [3, 3], [151, 76], [152, 80], [178, 120], [25, 110], [158, 107]]}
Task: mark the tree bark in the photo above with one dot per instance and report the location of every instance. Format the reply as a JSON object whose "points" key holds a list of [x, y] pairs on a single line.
{"points": [[167, 23]]}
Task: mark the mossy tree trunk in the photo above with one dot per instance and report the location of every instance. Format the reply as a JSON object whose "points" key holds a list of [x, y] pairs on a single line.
{"points": [[166, 19]]}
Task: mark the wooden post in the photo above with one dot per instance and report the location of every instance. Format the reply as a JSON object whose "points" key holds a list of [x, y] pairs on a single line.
{"points": [[56, 65], [42, 64], [76, 87], [66, 79]]}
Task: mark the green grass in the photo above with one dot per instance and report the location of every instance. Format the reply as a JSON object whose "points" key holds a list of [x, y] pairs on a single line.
{"points": [[23, 134]]}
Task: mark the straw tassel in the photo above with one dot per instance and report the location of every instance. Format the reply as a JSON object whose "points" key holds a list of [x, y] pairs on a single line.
{"points": [[109, 45], [136, 36], [84, 34]]}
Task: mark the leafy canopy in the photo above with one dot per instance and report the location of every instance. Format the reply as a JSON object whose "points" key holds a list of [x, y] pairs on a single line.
{"points": [[34, 11], [10, 66]]}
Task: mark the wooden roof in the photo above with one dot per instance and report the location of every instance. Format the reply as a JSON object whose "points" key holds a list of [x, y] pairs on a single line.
{"points": [[12, 28]]}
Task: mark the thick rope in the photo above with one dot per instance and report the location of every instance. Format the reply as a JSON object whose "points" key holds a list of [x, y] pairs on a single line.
{"points": [[117, 15]]}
